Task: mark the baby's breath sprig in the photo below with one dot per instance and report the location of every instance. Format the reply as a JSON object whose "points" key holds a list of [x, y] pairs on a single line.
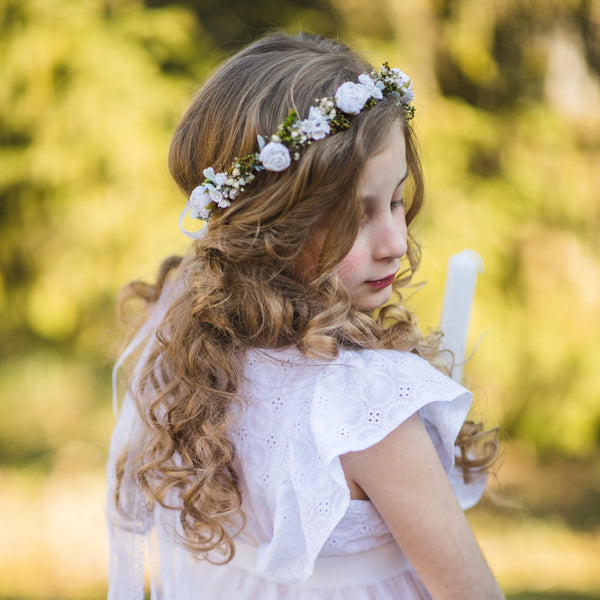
{"points": [[294, 135]]}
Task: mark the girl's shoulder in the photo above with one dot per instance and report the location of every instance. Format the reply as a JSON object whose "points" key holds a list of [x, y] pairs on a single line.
{"points": [[357, 398], [360, 373], [291, 355]]}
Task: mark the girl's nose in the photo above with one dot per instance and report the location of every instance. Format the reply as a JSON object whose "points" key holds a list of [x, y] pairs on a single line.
{"points": [[390, 239]]}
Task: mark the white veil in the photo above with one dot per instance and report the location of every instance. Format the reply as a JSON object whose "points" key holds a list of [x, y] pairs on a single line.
{"points": [[129, 516]]}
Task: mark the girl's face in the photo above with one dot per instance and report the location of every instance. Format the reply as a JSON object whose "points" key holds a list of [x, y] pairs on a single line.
{"points": [[368, 270]]}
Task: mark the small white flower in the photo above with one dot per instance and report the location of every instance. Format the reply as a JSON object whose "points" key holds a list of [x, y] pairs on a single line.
{"points": [[200, 202], [215, 195], [399, 76], [409, 95], [371, 87], [275, 157], [351, 97], [220, 178], [404, 84], [235, 172], [223, 202], [316, 125]]}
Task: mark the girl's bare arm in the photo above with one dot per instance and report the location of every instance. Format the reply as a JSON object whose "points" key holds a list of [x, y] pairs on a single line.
{"points": [[403, 477]]}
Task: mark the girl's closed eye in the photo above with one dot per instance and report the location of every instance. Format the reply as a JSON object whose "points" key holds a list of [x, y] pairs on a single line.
{"points": [[397, 203], [371, 208]]}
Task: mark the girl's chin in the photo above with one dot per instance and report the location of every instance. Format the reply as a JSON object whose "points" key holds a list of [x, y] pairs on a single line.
{"points": [[367, 302]]}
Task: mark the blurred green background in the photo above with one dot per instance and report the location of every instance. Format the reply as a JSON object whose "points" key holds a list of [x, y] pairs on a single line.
{"points": [[508, 114]]}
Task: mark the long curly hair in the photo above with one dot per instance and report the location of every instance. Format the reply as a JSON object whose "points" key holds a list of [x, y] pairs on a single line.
{"points": [[240, 287]]}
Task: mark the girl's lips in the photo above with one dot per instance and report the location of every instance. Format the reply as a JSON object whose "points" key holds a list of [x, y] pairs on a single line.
{"points": [[379, 284]]}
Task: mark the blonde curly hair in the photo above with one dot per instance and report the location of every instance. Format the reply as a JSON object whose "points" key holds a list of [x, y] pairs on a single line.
{"points": [[240, 287]]}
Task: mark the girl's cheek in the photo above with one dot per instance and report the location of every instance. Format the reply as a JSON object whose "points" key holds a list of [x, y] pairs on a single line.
{"points": [[351, 262]]}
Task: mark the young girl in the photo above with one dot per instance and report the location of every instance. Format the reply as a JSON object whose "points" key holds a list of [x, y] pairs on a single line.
{"points": [[281, 437]]}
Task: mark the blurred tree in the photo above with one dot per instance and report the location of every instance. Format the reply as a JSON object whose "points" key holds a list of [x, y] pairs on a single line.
{"points": [[523, 79], [236, 22], [494, 54]]}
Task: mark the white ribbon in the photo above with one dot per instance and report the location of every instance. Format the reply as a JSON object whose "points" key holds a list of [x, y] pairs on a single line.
{"points": [[195, 235]]}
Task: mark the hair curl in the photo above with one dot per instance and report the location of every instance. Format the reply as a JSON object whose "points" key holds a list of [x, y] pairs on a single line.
{"points": [[240, 286]]}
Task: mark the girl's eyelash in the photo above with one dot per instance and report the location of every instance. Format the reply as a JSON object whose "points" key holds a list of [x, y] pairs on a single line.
{"points": [[399, 203]]}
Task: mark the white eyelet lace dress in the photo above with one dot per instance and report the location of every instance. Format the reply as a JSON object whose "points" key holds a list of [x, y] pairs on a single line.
{"points": [[305, 539]]}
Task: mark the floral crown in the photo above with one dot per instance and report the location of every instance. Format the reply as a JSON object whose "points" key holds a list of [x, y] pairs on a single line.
{"points": [[294, 135]]}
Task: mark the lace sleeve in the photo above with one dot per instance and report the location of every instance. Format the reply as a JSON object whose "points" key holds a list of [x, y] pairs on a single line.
{"points": [[353, 403], [368, 394]]}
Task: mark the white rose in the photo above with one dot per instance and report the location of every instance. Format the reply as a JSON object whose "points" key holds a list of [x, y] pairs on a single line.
{"points": [[200, 202], [275, 157], [351, 97], [316, 126]]}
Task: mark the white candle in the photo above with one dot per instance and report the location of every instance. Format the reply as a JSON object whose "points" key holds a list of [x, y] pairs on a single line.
{"points": [[458, 298]]}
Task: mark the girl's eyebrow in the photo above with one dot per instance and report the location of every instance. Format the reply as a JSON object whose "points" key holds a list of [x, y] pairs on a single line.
{"points": [[403, 179]]}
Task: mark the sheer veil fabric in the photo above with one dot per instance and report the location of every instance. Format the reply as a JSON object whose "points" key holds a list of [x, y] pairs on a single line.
{"points": [[129, 518]]}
